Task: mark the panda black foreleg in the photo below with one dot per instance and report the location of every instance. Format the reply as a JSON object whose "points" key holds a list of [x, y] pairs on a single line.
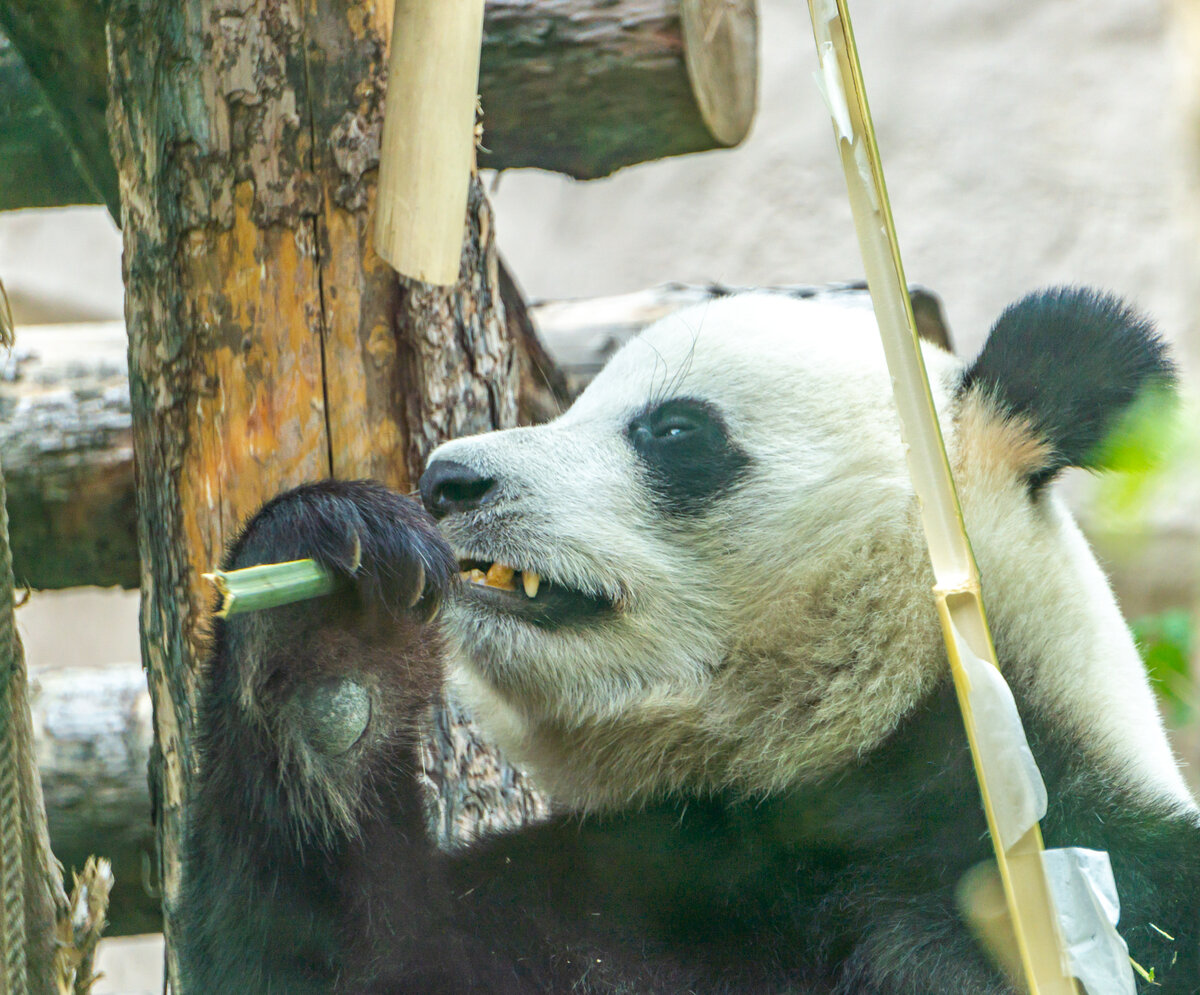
{"points": [[307, 733]]}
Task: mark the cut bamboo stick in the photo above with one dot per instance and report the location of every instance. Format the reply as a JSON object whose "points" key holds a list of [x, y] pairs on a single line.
{"points": [[957, 591], [427, 151], [270, 585]]}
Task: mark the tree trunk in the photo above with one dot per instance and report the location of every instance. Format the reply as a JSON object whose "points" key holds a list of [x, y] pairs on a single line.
{"points": [[268, 345]]}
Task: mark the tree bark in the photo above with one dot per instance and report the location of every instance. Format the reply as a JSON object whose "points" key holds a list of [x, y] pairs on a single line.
{"points": [[584, 88], [578, 86], [268, 345]]}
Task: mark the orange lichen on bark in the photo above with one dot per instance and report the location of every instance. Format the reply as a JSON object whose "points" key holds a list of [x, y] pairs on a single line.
{"points": [[258, 421], [361, 356]]}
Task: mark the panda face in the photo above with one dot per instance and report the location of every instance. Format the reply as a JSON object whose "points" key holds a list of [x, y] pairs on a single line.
{"points": [[687, 520], [733, 589]]}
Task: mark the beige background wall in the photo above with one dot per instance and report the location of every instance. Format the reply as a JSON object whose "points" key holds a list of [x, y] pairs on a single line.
{"points": [[1025, 143]]}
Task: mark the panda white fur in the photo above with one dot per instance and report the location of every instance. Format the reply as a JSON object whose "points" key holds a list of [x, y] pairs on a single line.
{"points": [[731, 678]]}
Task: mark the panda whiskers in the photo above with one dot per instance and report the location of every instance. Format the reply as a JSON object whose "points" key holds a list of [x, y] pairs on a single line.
{"points": [[671, 382]]}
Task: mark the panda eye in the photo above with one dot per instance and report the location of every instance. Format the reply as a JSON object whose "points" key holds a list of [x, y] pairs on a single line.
{"points": [[674, 421], [673, 427], [687, 453]]}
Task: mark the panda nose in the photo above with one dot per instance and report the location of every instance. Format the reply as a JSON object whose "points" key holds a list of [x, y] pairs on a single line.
{"points": [[447, 487]]}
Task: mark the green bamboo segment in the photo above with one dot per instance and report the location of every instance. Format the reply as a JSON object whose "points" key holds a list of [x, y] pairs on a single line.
{"points": [[270, 585]]}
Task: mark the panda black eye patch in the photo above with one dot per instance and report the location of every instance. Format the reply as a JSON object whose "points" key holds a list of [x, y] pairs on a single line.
{"points": [[689, 456]]}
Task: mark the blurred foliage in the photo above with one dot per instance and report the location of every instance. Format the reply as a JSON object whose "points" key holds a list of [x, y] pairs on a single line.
{"points": [[1145, 434], [1154, 439], [1166, 641], [1156, 450]]}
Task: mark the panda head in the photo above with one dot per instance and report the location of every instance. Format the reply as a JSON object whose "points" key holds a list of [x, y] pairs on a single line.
{"points": [[733, 590]]}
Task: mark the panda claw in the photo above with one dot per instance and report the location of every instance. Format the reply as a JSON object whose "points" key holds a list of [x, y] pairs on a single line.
{"points": [[418, 586]]}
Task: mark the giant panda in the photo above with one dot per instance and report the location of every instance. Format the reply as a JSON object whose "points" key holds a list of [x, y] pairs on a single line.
{"points": [[722, 660]]}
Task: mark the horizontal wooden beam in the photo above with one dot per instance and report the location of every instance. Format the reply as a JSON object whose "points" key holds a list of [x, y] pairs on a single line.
{"points": [[581, 87], [68, 459], [92, 733]]}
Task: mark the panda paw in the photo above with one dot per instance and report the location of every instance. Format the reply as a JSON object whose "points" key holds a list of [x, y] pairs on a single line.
{"points": [[384, 545]]}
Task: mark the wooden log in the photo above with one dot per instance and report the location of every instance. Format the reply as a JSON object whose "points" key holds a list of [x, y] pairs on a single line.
{"points": [[67, 452], [582, 87], [92, 732], [582, 334], [268, 344]]}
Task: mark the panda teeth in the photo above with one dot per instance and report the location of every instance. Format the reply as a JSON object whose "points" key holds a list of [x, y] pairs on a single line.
{"points": [[503, 577]]}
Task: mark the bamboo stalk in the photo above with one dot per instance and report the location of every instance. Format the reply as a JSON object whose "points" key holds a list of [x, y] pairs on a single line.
{"points": [[957, 591], [427, 150], [270, 585]]}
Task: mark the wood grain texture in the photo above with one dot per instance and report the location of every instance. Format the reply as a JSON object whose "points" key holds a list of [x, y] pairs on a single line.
{"points": [[584, 88]]}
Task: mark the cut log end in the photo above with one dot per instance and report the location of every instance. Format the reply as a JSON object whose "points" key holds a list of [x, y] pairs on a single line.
{"points": [[427, 151], [584, 88], [720, 48]]}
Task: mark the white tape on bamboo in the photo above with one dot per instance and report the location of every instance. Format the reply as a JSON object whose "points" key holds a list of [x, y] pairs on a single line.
{"points": [[1013, 793], [428, 145]]}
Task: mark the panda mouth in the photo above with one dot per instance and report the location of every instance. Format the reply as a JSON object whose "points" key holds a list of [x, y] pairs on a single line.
{"points": [[528, 596]]}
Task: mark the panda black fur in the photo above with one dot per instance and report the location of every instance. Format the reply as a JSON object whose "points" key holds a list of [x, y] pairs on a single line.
{"points": [[731, 679]]}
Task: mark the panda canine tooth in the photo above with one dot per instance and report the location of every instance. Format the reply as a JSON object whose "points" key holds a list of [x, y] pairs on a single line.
{"points": [[531, 582], [500, 575]]}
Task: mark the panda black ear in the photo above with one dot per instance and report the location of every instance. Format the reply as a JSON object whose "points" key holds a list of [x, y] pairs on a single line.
{"points": [[1070, 362]]}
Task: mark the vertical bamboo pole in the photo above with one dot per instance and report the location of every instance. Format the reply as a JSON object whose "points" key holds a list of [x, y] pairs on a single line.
{"points": [[428, 148], [960, 607]]}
